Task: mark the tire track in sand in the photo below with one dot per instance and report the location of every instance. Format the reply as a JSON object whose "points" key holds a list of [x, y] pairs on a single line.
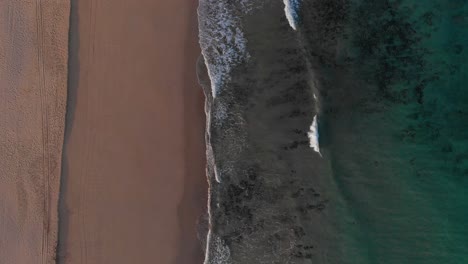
{"points": [[45, 131], [33, 73]]}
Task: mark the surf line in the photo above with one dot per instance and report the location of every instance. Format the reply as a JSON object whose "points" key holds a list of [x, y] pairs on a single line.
{"points": [[314, 136], [291, 11], [291, 8]]}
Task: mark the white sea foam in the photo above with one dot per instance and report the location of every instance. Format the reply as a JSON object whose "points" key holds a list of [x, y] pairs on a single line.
{"points": [[220, 254], [222, 39], [314, 136], [291, 8]]}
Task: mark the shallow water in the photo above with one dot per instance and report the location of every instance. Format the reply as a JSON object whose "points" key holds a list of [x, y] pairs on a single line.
{"points": [[392, 112]]}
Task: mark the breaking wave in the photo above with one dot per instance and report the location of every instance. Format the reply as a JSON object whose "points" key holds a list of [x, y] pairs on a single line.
{"points": [[291, 9]]}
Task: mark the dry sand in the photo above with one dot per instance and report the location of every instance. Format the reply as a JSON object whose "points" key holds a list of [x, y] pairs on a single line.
{"points": [[133, 178], [33, 85]]}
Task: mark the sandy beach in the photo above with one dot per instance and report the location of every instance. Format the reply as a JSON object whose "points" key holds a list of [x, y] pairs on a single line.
{"points": [[133, 182], [33, 88]]}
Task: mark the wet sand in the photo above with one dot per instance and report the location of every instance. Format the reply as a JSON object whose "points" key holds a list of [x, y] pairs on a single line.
{"points": [[33, 88], [133, 174]]}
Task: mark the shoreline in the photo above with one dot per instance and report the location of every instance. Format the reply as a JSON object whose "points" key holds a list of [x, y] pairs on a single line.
{"points": [[193, 204]]}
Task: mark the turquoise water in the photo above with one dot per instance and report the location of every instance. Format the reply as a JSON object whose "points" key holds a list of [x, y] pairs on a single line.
{"points": [[394, 126]]}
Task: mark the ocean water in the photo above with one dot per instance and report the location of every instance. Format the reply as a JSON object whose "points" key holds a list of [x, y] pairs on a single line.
{"points": [[337, 130]]}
